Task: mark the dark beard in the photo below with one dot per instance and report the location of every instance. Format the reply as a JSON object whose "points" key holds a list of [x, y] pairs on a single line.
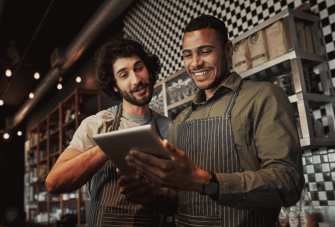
{"points": [[133, 100]]}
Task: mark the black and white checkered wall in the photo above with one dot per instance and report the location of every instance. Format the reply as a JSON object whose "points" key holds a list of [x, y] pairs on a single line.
{"points": [[158, 24]]}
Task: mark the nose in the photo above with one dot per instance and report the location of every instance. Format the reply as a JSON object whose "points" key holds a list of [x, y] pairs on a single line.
{"points": [[196, 61], [135, 78]]}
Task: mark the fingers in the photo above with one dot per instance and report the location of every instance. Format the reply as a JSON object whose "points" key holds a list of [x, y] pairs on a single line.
{"points": [[146, 159], [172, 150], [140, 195], [119, 172], [141, 199], [134, 185], [125, 179]]}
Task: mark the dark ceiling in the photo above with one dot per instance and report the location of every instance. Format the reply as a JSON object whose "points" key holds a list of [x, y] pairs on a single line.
{"points": [[19, 21]]}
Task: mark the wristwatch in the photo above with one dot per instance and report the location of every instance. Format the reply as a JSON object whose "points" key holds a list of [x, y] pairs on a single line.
{"points": [[210, 188]]}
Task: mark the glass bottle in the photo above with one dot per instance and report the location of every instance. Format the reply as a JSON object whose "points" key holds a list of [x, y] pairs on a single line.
{"points": [[294, 216], [306, 210], [283, 217]]}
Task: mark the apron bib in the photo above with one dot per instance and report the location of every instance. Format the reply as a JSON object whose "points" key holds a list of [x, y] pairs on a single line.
{"points": [[122, 217], [210, 145]]}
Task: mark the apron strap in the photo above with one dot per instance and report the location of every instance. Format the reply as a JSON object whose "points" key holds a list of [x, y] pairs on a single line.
{"points": [[154, 124], [232, 100], [187, 115], [229, 107], [116, 121]]}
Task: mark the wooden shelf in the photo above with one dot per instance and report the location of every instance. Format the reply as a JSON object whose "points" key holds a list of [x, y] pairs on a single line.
{"points": [[44, 160], [71, 121], [54, 201], [33, 147], [56, 139], [54, 133], [55, 154], [33, 165], [72, 201], [35, 224]]}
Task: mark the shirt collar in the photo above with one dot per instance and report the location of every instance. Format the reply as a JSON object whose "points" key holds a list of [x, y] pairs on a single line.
{"points": [[232, 83]]}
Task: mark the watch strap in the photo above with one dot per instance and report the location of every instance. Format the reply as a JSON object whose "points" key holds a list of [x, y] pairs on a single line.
{"points": [[213, 177]]}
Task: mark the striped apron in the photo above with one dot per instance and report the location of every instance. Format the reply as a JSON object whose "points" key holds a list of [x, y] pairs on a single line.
{"points": [[210, 145], [123, 213]]}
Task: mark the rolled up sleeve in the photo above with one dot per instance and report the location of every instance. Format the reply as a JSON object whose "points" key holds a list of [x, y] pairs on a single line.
{"points": [[280, 180]]}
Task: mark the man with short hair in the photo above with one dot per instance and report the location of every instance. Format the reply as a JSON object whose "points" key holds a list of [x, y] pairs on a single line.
{"points": [[125, 71], [235, 152]]}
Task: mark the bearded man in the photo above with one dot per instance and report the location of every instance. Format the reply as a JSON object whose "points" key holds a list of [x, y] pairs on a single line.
{"points": [[125, 71]]}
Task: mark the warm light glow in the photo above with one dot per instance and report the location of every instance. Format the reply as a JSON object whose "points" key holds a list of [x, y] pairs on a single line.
{"points": [[8, 73], [19, 133], [31, 95], [59, 86], [78, 79], [36, 75], [6, 135], [1, 102]]}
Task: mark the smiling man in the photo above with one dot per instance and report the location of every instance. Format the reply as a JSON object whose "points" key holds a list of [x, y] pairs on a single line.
{"points": [[126, 72], [235, 153]]}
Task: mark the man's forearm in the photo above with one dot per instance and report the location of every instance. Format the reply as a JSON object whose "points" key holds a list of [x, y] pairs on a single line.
{"points": [[72, 171]]}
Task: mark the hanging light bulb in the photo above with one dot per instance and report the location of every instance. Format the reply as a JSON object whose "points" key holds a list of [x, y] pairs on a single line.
{"points": [[36, 75], [31, 95], [6, 135], [78, 79], [1, 102], [59, 86], [8, 73], [19, 133]]}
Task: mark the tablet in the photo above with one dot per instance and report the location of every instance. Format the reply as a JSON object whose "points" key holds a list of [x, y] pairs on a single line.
{"points": [[117, 144]]}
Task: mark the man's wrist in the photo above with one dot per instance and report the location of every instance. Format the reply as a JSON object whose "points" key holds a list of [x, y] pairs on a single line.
{"points": [[101, 154], [202, 177]]}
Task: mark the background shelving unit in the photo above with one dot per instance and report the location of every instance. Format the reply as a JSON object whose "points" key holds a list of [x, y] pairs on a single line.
{"points": [[48, 139], [294, 61]]}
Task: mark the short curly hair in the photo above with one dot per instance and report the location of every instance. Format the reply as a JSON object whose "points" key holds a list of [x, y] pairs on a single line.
{"points": [[112, 50]]}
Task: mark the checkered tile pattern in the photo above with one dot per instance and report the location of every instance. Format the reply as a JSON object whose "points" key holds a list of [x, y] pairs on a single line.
{"points": [[319, 172], [158, 24]]}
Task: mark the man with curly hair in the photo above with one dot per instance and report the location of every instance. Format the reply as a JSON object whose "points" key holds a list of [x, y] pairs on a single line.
{"points": [[125, 72]]}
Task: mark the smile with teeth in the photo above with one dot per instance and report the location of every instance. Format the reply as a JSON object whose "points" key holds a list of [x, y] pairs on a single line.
{"points": [[201, 73]]}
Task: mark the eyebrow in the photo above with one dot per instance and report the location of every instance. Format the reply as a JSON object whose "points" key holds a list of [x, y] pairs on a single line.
{"points": [[120, 70], [198, 48]]}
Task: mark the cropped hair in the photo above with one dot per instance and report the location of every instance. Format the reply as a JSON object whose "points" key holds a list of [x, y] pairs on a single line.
{"points": [[112, 50], [207, 21]]}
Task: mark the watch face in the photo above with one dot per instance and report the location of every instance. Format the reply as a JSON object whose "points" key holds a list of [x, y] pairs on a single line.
{"points": [[211, 188]]}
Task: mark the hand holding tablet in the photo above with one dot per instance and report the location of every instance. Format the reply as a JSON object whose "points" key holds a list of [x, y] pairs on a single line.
{"points": [[117, 144]]}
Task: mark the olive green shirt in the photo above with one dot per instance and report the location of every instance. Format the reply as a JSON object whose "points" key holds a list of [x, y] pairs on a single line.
{"points": [[266, 141]]}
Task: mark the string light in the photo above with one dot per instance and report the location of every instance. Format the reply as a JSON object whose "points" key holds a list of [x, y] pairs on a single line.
{"points": [[8, 73], [19, 133], [6, 136], [31, 95], [78, 79], [36, 75], [60, 79], [1, 102]]}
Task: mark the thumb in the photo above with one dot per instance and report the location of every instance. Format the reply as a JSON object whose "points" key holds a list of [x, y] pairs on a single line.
{"points": [[170, 149], [119, 172]]}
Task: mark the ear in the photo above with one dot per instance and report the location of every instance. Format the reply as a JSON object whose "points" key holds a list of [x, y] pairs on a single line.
{"points": [[115, 89], [229, 49]]}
